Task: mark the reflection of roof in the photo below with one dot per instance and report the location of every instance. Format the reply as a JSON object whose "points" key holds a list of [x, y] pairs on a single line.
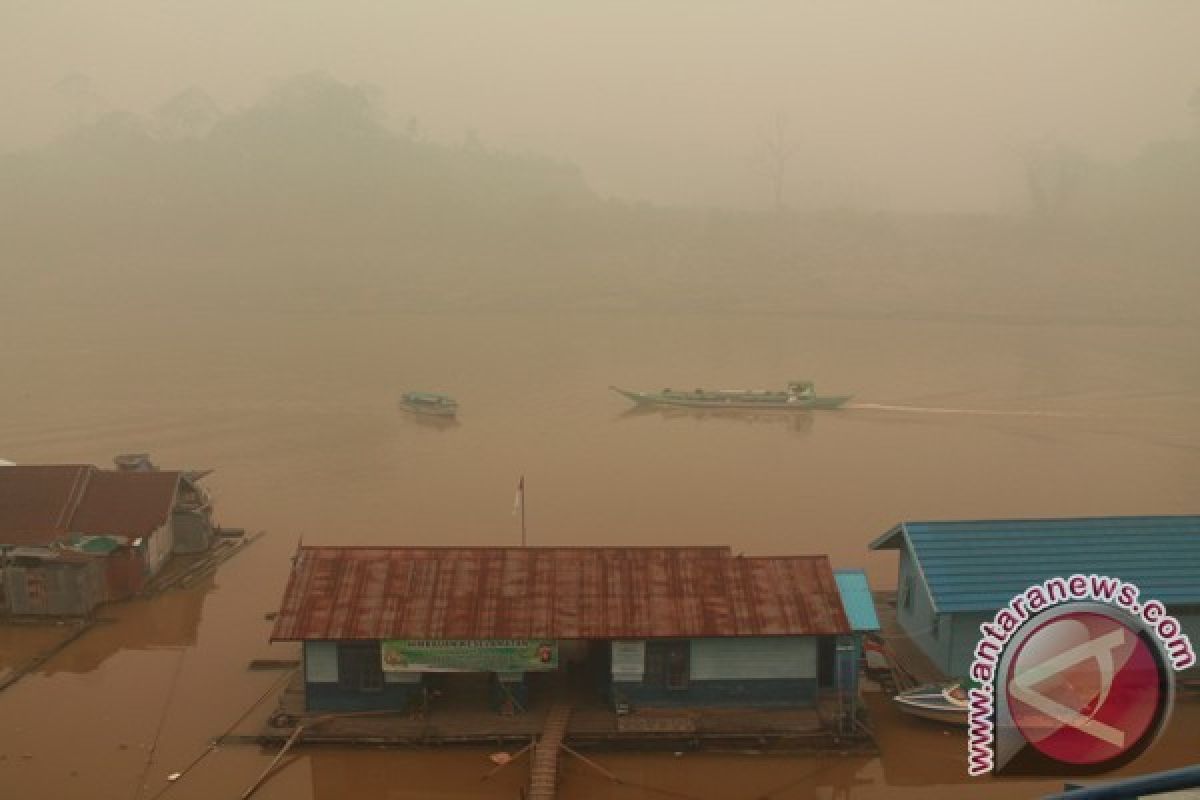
{"points": [[979, 565], [554, 592], [40, 504], [856, 599]]}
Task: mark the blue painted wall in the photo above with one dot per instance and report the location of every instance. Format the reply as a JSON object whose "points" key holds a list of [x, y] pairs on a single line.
{"points": [[322, 692], [393, 697], [914, 612]]}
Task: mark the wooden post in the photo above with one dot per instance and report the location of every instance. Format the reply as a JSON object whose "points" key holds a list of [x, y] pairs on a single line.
{"points": [[592, 764], [266, 773]]}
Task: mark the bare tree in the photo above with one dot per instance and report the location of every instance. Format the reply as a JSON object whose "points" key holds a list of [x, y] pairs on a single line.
{"points": [[776, 150]]}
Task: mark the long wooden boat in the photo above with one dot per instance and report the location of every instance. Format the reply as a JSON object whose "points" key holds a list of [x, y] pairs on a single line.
{"points": [[432, 403], [938, 702], [799, 396]]}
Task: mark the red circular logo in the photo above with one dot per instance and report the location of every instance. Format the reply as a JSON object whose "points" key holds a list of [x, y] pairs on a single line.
{"points": [[1084, 688]]}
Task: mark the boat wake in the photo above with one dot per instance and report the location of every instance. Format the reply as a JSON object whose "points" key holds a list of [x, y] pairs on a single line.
{"points": [[979, 412]]}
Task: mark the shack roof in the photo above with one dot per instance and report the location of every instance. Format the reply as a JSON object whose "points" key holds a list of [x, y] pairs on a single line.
{"points": [[979, 565], [129, 503], [42, 504], [36, 502], [554, 592], [857, 599]]}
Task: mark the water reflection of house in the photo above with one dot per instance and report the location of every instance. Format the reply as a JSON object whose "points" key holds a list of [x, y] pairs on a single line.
{"points": [[169, 621], [73, 536], [654, 626], [956, 575]]}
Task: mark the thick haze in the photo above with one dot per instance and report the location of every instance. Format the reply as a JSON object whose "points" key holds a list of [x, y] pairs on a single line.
{"points": [[913, 105]]}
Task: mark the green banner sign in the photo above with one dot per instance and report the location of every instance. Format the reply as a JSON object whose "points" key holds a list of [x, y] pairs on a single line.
{"points": [[469, 655]]}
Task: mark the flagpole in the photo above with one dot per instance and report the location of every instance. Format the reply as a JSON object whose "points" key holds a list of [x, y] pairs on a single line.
{"points": [[519, 505], [522, 511]]}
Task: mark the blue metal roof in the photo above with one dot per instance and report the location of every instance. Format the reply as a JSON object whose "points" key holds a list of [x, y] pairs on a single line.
{"points": [[980, 565], [857, 599]]}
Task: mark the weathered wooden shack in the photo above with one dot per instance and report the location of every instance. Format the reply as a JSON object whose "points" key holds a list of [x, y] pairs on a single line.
{"points": [[955, 575], [39, 581], [125, 521], [191, 518], [649, 626]]}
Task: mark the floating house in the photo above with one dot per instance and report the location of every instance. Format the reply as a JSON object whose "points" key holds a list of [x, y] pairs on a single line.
{"points": [[640, 627], [74, 536], [955, 575]]}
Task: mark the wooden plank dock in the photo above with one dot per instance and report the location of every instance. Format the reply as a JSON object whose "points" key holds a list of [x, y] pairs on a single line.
{"points": [[543, 773], [590, 724]]}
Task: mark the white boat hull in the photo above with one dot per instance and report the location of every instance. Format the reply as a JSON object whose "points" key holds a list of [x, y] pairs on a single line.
{"points": [[933, 703]]}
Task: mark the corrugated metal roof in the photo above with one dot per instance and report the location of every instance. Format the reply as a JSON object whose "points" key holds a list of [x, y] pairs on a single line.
{"points": [[857, 599], [41, 504], [128, 503], [980, 565], [36, 502], [554, 592]]}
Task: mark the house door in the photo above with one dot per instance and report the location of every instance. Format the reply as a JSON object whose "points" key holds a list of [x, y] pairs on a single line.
{"points": [[826, 661], [360, 668], [668, 664]]}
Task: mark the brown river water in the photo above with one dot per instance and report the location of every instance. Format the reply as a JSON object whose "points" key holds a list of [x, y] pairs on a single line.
{"points": [[953, 418]]}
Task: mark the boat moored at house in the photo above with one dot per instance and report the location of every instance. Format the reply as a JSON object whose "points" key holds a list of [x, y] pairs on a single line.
{"points": [[937, 702], [798, 396]]}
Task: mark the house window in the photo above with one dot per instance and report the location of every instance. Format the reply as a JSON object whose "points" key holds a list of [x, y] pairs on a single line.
{"points": [[359, 667], [668, 664], [908, 593], [35, 588]]}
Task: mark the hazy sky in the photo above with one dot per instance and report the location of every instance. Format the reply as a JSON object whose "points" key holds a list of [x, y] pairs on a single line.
{"points": [[915, 104]]}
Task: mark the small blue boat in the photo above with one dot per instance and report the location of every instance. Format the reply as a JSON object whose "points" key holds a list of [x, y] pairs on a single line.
{"points": [[431, 403]]}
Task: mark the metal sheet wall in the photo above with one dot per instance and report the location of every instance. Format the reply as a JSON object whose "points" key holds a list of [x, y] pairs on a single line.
{"points": [[754, 658]]}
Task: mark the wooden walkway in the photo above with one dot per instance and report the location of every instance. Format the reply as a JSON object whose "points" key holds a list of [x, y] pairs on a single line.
{"points": [[182, 571], [543, 775]]}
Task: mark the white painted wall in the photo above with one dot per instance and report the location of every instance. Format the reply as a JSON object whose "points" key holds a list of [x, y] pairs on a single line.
{"points": [[320, 662]]}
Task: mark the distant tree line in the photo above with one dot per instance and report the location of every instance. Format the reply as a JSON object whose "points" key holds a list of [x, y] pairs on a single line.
{"points": [[311, 159]]}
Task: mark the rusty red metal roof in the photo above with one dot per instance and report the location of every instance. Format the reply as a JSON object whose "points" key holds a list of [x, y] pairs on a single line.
{"points": [[554, 592], [36, 502], [126, 503], [42, 504]]}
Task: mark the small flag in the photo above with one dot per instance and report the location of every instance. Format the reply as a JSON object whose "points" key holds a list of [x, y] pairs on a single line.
{"points": [[519, 500]]}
